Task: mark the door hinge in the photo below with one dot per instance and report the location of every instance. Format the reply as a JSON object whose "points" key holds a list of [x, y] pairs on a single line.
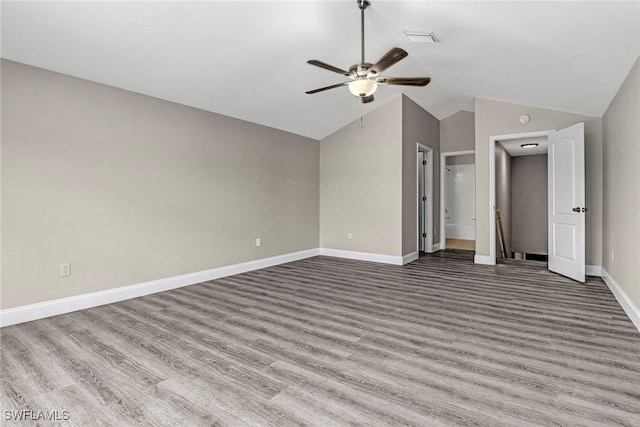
{"points": [[424, 234], [424, 162], [424, 198]]}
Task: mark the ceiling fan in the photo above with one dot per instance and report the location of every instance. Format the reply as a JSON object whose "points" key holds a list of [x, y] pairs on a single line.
{"points": [[365, 76]]}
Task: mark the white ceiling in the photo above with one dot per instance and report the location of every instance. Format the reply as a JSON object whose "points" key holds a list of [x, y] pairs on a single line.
{"points": [[515, 149], [248, 59]]}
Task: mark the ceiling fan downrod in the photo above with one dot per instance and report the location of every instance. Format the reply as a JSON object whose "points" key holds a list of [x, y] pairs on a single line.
{"points": [[362, 4]]}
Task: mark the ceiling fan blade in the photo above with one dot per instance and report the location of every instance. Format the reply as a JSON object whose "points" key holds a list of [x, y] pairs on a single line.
{"points": [[328, 67], [389, 58], [311, 92], [367, 99], [405, 81]]}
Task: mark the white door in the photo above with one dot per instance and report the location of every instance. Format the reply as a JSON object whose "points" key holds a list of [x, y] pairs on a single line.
{"points": [[427, 182], [425, 201], [421, 197], [566, 202]]}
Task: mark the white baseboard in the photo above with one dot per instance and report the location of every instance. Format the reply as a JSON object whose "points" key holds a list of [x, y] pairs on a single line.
{"points": [[483, 259], [362, 256], [434, 248], [406, 259], [593, 270], [26, 313], [625, 302]]}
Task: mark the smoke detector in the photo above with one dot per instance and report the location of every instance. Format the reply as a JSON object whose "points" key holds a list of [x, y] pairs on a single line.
{"points": [[421, 36]]}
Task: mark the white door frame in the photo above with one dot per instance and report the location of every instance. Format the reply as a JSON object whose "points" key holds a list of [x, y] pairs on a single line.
{"points": [[428, 218], [492, 182], [443, 188]]}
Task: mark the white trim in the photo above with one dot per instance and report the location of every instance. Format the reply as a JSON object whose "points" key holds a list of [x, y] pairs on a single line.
{"points": [[623, 299], [362, 256], [406, 259], [593, 270], [429, 193], [483, 259], [492, 182], [443, 164], [26, 313], [436, 247]]}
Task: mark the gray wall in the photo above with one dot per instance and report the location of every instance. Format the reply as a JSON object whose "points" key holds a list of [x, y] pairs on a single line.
{"points": [[464, 159], [368, 180], [501, 118], [417, 126], [457, 132], [361, 183], [130, 188], [621, 233], [503, 197], [529, 204]]}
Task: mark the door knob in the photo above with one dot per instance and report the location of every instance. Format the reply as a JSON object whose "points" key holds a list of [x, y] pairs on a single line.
{"points": [[585, 209], [576, 209]]}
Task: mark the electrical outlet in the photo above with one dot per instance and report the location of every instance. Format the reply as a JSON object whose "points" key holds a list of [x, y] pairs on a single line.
{"points": [[65, 269], [611, 256], [258, 242], [350, 236]]}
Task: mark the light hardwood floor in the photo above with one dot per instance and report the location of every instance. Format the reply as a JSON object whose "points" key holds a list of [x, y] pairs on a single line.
{"points": [[467, 245], [332, 342]]}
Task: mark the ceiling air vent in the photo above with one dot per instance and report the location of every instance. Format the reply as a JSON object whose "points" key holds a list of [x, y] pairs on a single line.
{"points": [[421, 36]]}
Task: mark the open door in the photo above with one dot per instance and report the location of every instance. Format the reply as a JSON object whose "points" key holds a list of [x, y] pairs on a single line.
{"points": [[425, 199], [422, 236], [566, 202]]}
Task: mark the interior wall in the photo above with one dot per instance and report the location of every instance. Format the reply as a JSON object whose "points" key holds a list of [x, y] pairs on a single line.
{"points": [[417, 126], [129, 188], [361, 183], [464, 159], [457, 132], [501, 118], [621, 233], [529, 204], [503, 197]]}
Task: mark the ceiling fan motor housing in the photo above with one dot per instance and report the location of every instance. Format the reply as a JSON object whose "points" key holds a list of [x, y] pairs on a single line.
{"points": [[359, 70]]}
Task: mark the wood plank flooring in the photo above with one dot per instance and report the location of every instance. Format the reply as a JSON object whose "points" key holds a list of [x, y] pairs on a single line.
{"points": [[333, 342], [467, 245]]}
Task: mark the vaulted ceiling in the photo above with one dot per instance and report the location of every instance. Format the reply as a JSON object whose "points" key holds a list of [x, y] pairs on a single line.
{"points": [[248, 59]]}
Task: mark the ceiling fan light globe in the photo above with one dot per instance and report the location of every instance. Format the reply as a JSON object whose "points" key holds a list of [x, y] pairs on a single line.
{"points": [[363, 87]]}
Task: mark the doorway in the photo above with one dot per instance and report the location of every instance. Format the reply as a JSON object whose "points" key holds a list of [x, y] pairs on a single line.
{"points": [[521, 198], [565, 195], [457, 200], [424, 199], [500, 170]]}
